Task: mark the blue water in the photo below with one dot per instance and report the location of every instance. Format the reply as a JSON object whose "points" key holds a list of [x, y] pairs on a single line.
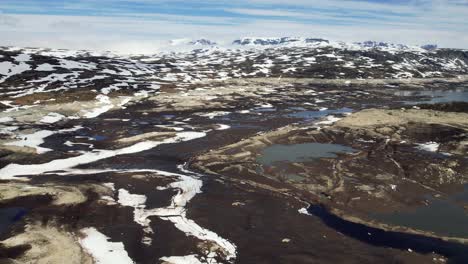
{"points": [[99, 137]]}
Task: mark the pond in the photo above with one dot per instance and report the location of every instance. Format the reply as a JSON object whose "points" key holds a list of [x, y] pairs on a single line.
{"points": [[9, 216], [442, 216], [457, 253], [301, 152]]}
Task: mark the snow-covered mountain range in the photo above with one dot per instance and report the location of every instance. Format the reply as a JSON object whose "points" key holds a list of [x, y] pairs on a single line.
{"points": [[26, 71], [250, 42]]}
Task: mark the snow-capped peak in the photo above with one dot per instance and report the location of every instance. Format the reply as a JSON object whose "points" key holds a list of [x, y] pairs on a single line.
{"points": [[429, 47], [278, 41], [375, 44], [319, 42], [265, 41], [203, 42]]}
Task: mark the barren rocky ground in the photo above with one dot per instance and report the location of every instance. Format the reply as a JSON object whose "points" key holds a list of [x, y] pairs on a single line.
{"points": [[281, 155]]}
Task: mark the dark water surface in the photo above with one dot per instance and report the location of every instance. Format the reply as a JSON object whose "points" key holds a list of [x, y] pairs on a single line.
{"points": [[456, 252], [9, 216], [445, 217]]}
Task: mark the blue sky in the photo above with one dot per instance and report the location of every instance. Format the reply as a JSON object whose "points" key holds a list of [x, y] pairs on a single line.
{"points": [[141, 24]]}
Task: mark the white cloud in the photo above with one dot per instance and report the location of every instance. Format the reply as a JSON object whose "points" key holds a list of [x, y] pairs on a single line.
{"points": [[8, 21], [415, 22], [264, 12]]}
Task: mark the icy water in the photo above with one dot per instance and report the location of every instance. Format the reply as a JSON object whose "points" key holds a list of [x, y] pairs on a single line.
{"points": [[8, 216], [457, 253], [301, 152], [443, 217], [436, 96], [99, 137]]}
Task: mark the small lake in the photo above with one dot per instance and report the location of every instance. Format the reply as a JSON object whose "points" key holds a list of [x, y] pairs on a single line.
{"points": [[9, 216], [441, 216], [301, 152], [457, 253], [435, 96]]}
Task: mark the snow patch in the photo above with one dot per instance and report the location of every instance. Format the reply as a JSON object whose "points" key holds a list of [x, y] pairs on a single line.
{"points": [[223, 127], [188, 186], [33, 141], [190, 259], [304, 211], [12, 170], [105, 103], [213, 114], [429, 146], [329, 120], [102, 250], [8, 69], [52, 118], [6, 119], [45, 67]]}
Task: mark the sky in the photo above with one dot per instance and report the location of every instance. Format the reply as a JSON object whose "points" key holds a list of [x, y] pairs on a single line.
{"points": [[143, 26]]}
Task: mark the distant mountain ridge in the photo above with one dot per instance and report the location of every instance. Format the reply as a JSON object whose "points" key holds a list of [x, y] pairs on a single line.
{"points": [[375, 44], [277, 41], [203, 42], [251, 42], [24, 71]]}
